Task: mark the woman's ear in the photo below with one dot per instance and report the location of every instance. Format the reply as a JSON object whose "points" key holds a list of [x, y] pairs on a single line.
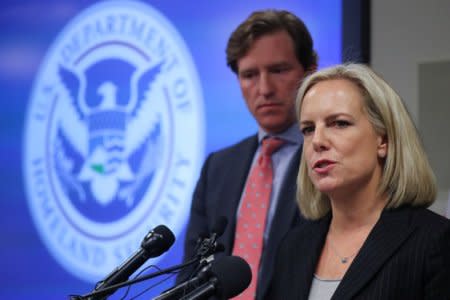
{"points": [[382, 146]]}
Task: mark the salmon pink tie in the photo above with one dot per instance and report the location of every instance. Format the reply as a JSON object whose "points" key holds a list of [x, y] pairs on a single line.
{"points": [[251, 220]]}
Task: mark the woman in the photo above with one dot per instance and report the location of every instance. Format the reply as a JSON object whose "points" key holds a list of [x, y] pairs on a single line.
{"points": [[364, 182]]}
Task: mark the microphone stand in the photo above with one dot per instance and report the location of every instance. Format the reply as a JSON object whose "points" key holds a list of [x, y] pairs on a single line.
{"points": [[206, 248], [106, 291]]}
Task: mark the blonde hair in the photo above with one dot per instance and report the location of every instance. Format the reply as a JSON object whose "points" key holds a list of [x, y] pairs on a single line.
{"points": [[407, 175]]}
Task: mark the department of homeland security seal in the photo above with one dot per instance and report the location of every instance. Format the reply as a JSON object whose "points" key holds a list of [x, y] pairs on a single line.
{"points": [[113, 137]]}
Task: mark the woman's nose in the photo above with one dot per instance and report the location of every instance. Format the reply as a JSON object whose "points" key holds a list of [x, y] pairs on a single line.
{"points": [[319, 140]]}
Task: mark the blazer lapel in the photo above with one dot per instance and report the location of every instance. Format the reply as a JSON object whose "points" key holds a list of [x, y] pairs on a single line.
{"points": [[311, 247], [390, 232]]}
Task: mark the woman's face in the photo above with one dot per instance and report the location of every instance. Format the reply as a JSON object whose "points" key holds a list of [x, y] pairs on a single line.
{"points": [[343, 153]]}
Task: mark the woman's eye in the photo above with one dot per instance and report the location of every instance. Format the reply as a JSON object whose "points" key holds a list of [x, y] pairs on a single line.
{"points": [[341, 123], [307, 130]]}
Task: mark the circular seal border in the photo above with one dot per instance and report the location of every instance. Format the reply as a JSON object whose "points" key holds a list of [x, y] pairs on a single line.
{"points": [[31, 164]]}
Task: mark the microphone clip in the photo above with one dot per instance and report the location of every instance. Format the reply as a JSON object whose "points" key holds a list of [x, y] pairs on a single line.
{"points": [[208, 246]]}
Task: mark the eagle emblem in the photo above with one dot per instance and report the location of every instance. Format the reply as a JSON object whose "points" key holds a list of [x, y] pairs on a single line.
{"points": [[103, 162]]}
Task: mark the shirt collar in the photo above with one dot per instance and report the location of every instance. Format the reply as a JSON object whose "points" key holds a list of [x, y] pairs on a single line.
{"points": [[292, 135]]}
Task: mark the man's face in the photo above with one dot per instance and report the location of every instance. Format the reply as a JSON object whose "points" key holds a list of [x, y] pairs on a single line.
{"points": [[269, 76]]}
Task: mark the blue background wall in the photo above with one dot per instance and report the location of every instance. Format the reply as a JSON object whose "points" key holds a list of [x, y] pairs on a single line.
{"points": [[28, 29]]}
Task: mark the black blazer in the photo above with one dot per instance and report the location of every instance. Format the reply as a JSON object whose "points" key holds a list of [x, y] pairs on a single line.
{"points": [[218, 193], [405, 256]]}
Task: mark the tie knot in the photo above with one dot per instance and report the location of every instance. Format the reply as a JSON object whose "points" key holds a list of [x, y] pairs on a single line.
{"points": [[271, 145]]}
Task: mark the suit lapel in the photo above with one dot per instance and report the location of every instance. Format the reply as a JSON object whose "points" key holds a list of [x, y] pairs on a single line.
{"points": [[282, 221], [234, 181], [390, 232], [287, 207]]}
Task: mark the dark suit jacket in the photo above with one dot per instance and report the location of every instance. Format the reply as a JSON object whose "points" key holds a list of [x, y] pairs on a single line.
{"points": [[218, 193], [405, 256]]}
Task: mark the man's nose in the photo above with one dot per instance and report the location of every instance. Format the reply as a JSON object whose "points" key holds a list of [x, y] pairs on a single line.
{"points": [[266, 86]]}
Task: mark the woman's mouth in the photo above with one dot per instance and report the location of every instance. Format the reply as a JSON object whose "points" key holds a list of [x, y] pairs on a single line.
{"points": [[323, 166]]}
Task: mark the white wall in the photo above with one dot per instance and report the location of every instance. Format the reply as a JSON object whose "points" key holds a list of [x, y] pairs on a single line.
{"points": [[406, 34]]}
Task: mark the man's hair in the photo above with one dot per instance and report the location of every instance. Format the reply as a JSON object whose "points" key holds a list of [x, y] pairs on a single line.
{"points": [[407, 177], [265, 22]]}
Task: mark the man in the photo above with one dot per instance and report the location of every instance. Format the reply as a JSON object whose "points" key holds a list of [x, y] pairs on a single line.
{"points": [[270, 52]]}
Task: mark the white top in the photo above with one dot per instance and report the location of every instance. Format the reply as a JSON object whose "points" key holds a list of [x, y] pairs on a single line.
{"points": [[322, 289]]}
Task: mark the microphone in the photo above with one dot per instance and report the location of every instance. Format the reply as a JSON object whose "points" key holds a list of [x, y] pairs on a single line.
{"points": [[209, 245], [229, 276], [206, 247], [176, 292], [155, 243]]}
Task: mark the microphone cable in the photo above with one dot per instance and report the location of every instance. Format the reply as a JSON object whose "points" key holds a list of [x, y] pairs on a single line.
{"points": [[153, 286], [136, 276]]}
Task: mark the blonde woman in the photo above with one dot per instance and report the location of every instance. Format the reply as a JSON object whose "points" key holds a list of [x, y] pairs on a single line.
{"points": [[364, 183]]}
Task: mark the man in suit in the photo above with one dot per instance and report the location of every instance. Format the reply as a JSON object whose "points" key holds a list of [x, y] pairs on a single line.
{"points": [[270, 52]]}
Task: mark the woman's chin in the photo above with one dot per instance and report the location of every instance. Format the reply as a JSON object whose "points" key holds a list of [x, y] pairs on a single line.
{"points": [[326, 187]]}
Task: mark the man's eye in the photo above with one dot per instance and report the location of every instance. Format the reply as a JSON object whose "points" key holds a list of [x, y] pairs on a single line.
{"points": [[248, 75], [279, 70]]}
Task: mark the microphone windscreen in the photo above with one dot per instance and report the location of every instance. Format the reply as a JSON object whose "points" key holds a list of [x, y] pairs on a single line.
{"points": [[168, 236], [220, 225], [159, 240], [234, 275]]}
